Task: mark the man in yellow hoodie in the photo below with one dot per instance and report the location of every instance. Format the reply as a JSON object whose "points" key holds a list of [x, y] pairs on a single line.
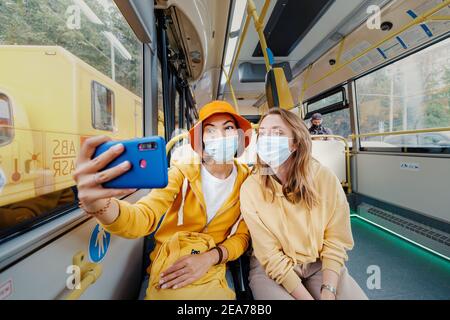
{"points": [[200, 197]]}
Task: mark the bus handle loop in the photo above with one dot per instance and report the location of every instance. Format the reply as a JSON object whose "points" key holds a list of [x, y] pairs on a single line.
{"points": [[90, 272]]}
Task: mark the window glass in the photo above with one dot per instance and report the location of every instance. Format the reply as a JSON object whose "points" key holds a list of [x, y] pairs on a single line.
{"points": [[6, 121], [69, 69], [325, 102], [410, 94], [102, 107]]}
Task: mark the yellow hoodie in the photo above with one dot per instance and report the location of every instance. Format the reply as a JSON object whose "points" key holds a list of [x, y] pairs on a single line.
{"points": [[141, 219], [286, 234]]}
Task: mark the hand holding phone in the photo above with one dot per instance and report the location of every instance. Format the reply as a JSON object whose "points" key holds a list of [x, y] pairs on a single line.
{"points": [[101, 162], [148, 163]]}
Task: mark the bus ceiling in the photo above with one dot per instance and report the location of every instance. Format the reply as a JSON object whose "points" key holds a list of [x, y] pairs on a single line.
{"points": [[323, 44], [298, 33], [197, 33]]}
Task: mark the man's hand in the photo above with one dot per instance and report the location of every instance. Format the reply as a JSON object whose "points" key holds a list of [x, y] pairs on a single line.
{"points": [[187, 270]]}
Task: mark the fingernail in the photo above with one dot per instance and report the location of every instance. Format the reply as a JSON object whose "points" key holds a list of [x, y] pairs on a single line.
{"points": [[161, 281], [163, 286], [175, 287], [125, 164], [117, 147]]}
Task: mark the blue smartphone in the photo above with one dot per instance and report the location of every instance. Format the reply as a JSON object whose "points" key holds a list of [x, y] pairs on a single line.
{"points": [[148, 163]]}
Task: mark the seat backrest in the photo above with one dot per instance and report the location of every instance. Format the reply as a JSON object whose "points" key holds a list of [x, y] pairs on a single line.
{"points": [[331, 153]]}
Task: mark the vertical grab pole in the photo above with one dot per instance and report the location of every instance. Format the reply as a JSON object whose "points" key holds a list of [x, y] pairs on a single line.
{"points": [[251, 11]]}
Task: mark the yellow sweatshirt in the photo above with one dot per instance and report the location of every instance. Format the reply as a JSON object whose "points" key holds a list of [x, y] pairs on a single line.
{"points": [[285, 234], [141, 219]]}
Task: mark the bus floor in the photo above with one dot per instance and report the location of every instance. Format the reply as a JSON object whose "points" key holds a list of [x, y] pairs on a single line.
{"points": [[407, 272]]}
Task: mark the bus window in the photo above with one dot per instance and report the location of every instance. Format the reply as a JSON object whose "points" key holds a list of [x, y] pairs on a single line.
{"points": [[336, 98], [6, 121], [102, 107], [71, 68], [410, 94], [335, 112]]}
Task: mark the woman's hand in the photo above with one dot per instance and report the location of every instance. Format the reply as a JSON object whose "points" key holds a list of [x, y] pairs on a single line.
{"points": [[187, 270], [88, 178], [300, 293]]}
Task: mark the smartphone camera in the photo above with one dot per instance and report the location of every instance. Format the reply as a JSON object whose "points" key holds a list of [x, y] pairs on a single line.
{"points": [[147, 146]]}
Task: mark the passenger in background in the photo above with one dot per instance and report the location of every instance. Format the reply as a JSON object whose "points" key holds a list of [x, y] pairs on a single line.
{"points": [[298, 217], [316, 126], [201, 197]]}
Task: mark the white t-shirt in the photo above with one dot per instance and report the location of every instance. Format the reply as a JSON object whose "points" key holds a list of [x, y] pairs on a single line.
{"points": [[216, 191]]}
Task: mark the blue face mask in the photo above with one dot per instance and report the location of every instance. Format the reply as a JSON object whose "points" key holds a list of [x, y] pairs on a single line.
{"points": [[273, 150], [223, 149]]}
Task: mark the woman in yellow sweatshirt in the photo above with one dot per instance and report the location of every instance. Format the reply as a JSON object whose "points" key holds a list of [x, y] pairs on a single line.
{"points": [[298, 217], [210, 203]]}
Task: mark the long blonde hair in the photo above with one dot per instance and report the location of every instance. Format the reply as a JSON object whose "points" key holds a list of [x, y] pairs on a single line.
{"points": [[300, 186]]}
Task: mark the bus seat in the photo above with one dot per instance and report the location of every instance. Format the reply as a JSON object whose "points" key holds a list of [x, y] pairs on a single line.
{"points": [[331, 153]]}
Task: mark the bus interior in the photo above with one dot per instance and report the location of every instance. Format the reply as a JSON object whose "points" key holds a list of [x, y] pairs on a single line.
{"points": [[377, 70]]}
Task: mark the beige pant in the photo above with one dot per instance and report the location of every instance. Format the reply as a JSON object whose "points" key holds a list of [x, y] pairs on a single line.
{"points": [[264, 288]]}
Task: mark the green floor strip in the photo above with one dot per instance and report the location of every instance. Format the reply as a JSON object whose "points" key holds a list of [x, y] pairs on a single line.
{"points": [[402, 242]]}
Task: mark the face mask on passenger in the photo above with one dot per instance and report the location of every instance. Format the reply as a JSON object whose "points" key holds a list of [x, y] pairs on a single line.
{"points": [[222, 149], [273, 150]]}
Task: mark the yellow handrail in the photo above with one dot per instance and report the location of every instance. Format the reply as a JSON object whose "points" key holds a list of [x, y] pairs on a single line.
{"points": [[244, 34], [90, 278], [236, 107], [90, 273], [438, 18], [174, 140], [302, 93], [241, 42], [418, 20], [259, 26], [348, 184], [397, 133]]}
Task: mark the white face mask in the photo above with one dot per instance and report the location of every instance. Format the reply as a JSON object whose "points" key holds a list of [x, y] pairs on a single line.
{"points": [[273, 150], [223, 149]]}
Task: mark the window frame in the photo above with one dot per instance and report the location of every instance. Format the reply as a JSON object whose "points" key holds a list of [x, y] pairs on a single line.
{"points": [[11, 118], [113, 99], [329, 108], [399, 150]]}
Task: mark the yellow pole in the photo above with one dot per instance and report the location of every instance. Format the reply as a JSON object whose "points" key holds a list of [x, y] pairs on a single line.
{"points": [[236, 107], [302, 93], [244, 33], [397, 133], [241, 41], [251, 11], [438, 18]]}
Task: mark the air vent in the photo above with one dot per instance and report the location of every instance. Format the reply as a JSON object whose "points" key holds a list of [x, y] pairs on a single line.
{"points": [[429, 238], [419, 229]]}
